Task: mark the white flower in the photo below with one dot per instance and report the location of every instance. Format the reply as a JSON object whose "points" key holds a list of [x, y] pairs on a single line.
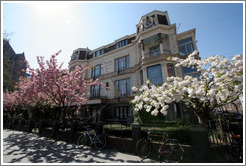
{"points": [[237, 57], [211, 93], [184, 90], [134, 89], [164, 110], [146, 99], [139, 105], [148, 108], [216, 72], [191, 92], [154, 112]]}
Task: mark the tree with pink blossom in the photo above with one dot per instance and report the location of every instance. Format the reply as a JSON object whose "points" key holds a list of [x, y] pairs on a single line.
{"points": [[53, 86], [220, 82]]}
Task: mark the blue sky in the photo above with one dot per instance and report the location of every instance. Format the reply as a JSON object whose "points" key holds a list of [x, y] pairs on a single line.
{"points": [[42, 29]]}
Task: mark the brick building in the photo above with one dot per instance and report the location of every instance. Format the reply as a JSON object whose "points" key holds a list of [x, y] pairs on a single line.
{"points": [[16, 62]]}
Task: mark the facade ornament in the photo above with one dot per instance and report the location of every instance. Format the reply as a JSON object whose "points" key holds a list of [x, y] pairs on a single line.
{"points": [[148, 22]]}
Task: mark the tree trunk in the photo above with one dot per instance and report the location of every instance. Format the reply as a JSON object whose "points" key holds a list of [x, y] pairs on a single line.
{"points": [[203, 118]]}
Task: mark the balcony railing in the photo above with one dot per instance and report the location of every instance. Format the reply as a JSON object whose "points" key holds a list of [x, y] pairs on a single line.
{"points": [[155, 53], [97, 96]]}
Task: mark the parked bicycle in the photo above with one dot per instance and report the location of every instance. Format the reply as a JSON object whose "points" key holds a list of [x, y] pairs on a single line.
{"points": [[89, 137], [168, 149], [236, 147]]}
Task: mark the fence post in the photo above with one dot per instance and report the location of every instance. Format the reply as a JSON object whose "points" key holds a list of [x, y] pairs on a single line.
{"points": [[99, 127], [54, 129], [74, 129], [136, 134], [30, 126], [200, 143], [40, 127]]}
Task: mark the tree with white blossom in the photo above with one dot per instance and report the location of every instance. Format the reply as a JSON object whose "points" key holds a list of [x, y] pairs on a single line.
{"points": [[220, 82]]}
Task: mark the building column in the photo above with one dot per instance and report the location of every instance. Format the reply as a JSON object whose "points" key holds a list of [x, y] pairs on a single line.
{"points": [[145, 76], [142, 49], [161, 44]]}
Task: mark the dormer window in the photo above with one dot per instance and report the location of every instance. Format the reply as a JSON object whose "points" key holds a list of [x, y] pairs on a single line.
{"points": [[122, 43], [98, 53]]}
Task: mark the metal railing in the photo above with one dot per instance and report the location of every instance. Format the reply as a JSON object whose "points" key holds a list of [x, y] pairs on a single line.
{"points": [[155, 53]]}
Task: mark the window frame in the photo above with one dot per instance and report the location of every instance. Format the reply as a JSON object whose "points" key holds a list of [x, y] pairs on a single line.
{"points": [[117, 62], [161, 73], [95, 93], [127, 87], [122, 43], [185, 44], [122, 112], [154, 51], [94, 71], [172, 68]]}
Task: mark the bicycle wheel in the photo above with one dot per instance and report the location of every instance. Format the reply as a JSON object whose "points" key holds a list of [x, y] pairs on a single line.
{"points": [[236, 153], [83, 140], [172, 151], [143, 148], [100, 141]]}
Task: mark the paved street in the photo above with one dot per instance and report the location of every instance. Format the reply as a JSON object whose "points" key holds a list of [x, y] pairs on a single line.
{"points": [[21, 147]]}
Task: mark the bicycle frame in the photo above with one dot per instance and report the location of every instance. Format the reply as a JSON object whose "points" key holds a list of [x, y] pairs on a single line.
{"points": [[161, 143], [90, 137]]}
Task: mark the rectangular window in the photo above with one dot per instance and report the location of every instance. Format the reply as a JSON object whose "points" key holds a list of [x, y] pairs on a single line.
{"points": [[122, 64], [122, 43], [155, 75], [170, 70], [122, 112], [154, 51], [189, 70], [123, 88], [96, 91], [186, 46], [192, 71], [97, 71], [98, 53]]}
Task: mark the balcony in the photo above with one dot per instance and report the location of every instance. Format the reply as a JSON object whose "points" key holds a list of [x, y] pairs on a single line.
{"points": [[156, 53], [156, 56], [97, 96]]}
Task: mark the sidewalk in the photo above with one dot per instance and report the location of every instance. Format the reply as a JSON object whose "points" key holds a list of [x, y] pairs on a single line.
{"points": [[22, 147]]}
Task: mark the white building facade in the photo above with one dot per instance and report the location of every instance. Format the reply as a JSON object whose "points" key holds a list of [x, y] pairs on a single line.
{"points": [[130, 61]]}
